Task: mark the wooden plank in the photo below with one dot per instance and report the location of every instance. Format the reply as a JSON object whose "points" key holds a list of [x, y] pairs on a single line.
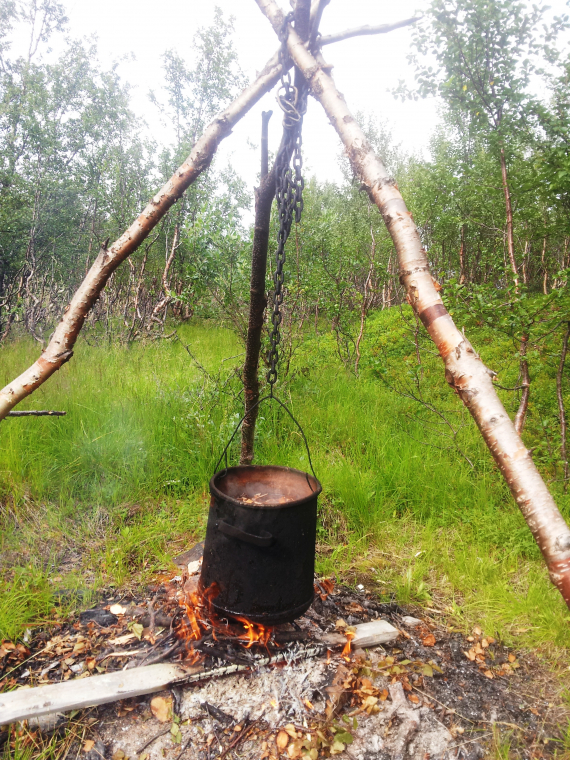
{"points": [[374, 633], [367, 635], [86, 692]]}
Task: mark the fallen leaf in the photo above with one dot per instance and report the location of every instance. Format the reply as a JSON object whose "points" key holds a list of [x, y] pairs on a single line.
{"points": [[117, 609], [291, 730], [512, 658], [119, 755], [90, 662], [336, 748], [137, 629], [470, 655], [340, 623], [485, 643], [413, 698], [79, 647], [488, 674], [282, 740], [122, 639], [161, 708], [477, 631], [88, 745], [293, 751], [176, 733], [427, 670], [429, 640]]}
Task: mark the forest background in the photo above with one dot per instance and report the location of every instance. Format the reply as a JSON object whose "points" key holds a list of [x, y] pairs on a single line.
{"points": [[412, 502]]}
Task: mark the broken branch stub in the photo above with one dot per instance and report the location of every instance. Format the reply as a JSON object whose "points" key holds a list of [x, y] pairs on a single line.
{"points": [[60, 348], [464, 370]]}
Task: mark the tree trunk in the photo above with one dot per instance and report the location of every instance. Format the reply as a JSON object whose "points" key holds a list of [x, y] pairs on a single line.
{"points": [[60, 347], [544, 268], [509, 210], [523, 363], [464, 370], [462, 275], [524, 376], [264, 195], [561, 408]]}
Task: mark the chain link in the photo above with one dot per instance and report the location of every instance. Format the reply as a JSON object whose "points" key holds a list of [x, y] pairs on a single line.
{"points": [[289, 186]]}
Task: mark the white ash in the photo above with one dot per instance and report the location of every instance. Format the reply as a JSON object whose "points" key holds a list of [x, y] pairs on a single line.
{"points": [[275, 694]]}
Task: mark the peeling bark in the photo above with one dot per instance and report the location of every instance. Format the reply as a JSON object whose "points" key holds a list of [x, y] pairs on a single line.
{"points": [[60, 347], [464, 370]]}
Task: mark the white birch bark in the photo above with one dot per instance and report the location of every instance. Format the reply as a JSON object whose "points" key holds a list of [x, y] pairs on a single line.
{"points": [[464, 370], [60, 348]]}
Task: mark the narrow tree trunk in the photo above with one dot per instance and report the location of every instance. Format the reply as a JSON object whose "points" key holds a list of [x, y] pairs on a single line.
{"points": [[264, 195], [464, 370], [561, 408], [166, 298], [544, 268], [365, 301], [523, 363], [60, 347], [509, 210], [462, 275], [524, 377], [525, 262]]}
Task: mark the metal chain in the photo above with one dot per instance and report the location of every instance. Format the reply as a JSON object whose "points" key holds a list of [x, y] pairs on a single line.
{"points": [[289, 186]]}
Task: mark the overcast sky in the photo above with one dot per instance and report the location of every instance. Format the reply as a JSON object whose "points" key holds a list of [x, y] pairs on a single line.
{"points": [[365, 68], [138, 32]]}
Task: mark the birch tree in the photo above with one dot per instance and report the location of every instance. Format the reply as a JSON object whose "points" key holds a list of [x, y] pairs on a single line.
{"points": [[464, 370]]}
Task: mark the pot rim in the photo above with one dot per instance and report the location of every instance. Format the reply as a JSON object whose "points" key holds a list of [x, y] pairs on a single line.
{"points": [[215, 491]]}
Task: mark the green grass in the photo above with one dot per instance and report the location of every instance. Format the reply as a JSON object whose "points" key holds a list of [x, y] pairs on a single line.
{"points": [[111, 492]]}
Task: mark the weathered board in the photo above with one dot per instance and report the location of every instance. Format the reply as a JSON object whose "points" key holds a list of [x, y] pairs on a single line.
{"points": [[86, 692]]}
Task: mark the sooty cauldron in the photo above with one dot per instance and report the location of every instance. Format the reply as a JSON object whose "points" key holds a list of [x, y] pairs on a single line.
{"points": [[260, 542]]}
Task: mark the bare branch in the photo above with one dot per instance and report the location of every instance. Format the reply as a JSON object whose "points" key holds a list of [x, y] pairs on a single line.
{"points": [[42, 413], [360, 31]]}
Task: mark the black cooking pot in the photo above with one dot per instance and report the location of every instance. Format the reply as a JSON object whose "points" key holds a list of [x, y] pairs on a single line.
{"points": [[260, 542]]}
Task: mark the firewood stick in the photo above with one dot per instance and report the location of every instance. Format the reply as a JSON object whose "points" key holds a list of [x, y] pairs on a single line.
{"points": [[42, 413]]}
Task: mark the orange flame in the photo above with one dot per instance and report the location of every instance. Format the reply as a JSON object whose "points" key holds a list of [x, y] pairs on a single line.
{"points": [[201, 617], [255, 633], [347, 647]]}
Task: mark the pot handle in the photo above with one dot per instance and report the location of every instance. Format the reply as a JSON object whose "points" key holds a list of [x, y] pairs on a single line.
{"points": [[266, 539]]}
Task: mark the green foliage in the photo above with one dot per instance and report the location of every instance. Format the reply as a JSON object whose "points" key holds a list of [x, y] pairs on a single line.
{"points": [[123, 478]]}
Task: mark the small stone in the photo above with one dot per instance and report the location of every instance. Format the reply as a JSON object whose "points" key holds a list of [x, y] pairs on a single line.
{"points": [[410, 621], [101, 617]]}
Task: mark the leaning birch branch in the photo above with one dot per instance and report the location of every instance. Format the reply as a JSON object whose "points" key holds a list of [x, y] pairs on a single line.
{"points": [[464, 370], [60, 348], [360, 31]]}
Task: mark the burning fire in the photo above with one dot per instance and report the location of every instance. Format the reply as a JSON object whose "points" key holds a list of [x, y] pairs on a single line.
{"points": [[201, 619], [350, 634], [255, 633]]}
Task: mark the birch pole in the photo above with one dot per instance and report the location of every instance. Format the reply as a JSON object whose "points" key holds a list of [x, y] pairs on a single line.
{"points": [[464, 370], [60, 348]]}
